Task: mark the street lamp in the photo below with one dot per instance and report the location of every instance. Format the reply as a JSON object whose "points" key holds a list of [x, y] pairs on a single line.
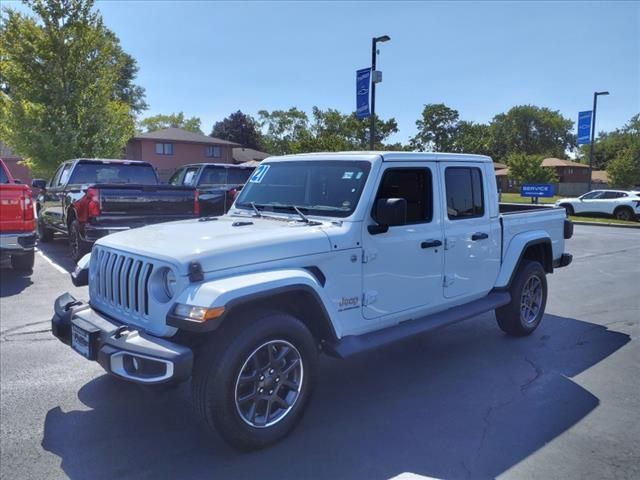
{"points": [[375, 78], [593, 133]]}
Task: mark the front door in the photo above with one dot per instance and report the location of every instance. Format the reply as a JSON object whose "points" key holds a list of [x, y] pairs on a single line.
{"points": [[472, 255], [402, 268]]}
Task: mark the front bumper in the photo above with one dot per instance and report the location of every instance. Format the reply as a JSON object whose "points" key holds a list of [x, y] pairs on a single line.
{"points": [[121, 350], [17, 242]]}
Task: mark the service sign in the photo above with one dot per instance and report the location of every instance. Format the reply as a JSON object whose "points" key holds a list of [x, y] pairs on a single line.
{"points": [[536, 190]]}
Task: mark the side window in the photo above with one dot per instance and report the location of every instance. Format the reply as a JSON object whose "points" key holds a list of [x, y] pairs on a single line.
{"points": [[54, 179], [190, 175], [592, 195], [415, 186], [64, 176], [463, 186], [176, 178]]}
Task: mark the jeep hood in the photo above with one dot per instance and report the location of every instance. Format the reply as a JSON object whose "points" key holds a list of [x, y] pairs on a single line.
{"points": [[224, 242]]}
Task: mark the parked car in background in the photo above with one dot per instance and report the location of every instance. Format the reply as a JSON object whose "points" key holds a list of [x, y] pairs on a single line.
{"points": [[621, 204], [90, 198], [17, 226], [217, 184]]}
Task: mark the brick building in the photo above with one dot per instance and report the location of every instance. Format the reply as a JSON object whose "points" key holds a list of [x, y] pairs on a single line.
{"points": [[12, 161], [170, 148], [573, 177]]}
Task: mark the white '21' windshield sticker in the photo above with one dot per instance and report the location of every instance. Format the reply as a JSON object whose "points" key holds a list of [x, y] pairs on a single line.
{"points": [[259, 174]]}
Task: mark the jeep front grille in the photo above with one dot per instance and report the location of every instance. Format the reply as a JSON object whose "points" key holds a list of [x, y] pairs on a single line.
{"points": [[121, 281]]}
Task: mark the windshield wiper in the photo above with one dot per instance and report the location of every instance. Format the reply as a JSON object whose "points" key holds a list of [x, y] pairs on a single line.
{"points": [[302, 215], [255, 209]]}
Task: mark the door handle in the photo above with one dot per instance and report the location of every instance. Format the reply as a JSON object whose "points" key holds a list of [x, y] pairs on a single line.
{"points": [[479, 236], [430, 244]]}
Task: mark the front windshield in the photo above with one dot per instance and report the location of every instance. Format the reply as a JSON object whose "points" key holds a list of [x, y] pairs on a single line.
{"points": [[329, 188]]}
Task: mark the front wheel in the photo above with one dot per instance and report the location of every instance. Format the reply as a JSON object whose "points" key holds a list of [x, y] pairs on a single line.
{"points": [[528, 291], [252, 382], [568, 208]]}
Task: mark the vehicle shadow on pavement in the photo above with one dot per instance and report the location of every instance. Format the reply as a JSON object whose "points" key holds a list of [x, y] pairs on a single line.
{"points": [[58, 252], [462, 402], [13, 282]]}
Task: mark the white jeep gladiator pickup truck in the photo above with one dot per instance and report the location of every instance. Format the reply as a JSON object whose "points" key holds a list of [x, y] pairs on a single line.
{"points": [[336, 253]]}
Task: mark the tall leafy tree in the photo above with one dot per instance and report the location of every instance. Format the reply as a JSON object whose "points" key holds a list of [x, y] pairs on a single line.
{"points": [[176, 120], [528, 169], [531, 130], [240, 128], [67, 87], [283, 130], [472, 137], [437, 128]]}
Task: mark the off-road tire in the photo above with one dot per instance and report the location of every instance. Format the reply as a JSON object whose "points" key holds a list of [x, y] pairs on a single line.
{"points": [[45, 235], [219, 362], [511, 318], [78, 248], [23, 262]]}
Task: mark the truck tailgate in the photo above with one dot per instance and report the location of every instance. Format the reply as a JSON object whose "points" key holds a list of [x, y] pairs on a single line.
{"points": [[146, 200]]}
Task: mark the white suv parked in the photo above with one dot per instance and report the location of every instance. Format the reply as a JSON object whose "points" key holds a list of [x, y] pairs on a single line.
{"points": [[623, 205]]}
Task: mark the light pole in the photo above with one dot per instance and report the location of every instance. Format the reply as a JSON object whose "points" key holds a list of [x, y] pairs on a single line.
{"points": [[374, 80], [593, 133]]}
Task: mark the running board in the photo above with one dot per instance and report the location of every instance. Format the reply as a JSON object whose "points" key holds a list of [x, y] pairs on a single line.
{"points": [[353, 344]]}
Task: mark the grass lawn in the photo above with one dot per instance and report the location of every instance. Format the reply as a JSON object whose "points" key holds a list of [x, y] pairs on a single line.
{"points": [[516, 198]]}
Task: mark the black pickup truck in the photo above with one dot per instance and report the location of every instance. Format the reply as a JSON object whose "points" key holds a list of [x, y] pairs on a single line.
{"points": [[217, 184], [90, 198]]}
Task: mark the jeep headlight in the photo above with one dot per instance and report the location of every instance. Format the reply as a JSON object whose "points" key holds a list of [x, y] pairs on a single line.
{"points": [[169, 282]]}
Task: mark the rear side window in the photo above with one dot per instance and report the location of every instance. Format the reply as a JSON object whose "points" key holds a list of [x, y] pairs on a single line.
{"points": [[238, 176], [463, 186], [214, 176], [412, 184]]}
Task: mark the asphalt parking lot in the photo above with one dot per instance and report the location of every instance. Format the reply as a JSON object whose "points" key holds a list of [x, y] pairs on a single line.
{"points": [[462, 402]]}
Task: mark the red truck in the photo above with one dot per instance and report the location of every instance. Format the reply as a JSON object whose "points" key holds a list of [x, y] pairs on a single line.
{"points": [[17, 223]]}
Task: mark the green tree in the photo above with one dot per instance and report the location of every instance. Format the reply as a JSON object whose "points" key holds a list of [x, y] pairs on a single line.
{"points": [[175, 120], [436, 129], [624, 170], [240, 128], [472, 137], [283, 130], [531, 130], [66, 85], [528, 169]]}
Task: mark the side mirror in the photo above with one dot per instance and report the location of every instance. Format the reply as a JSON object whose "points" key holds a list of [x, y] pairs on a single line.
{"points": [[389, 212], [39, 183]]}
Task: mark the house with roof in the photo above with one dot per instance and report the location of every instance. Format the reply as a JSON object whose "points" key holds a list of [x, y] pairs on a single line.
{"points": [[573, 177], [14, 163], [248, 156], [170, 148]]}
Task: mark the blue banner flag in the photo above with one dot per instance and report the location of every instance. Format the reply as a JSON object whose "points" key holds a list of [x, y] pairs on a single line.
{"points": [[584, 128], [536, 190], [363, 79]]}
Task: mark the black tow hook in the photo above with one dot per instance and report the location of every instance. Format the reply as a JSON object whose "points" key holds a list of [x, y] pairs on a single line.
{"points": [[120, 331]]}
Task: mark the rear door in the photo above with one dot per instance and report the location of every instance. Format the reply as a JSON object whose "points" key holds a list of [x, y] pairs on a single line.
{"points": [[402, 268], [472, 246]]}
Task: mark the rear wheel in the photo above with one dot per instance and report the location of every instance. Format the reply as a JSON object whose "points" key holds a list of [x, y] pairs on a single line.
{"points": [[23, 262], [568, 208], [78, 248], [45, 234], [624, 213], [528, 291], [253, 381]]}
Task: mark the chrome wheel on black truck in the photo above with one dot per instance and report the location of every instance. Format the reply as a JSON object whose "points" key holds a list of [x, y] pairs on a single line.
{"points": [[528, 300], [252, 382]]}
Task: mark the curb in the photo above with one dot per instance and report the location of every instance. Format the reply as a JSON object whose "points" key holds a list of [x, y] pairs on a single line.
{"points": [[597, 224]]}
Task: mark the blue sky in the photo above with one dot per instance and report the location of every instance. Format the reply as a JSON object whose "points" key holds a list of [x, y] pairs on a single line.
{"points": [[209, 59]]}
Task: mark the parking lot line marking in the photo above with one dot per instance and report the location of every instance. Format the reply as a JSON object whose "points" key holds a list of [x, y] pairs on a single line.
{"points": [[54, 264]]}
